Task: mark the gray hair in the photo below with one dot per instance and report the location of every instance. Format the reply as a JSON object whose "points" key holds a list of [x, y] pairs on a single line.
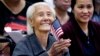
{"points": [[31, 11]]}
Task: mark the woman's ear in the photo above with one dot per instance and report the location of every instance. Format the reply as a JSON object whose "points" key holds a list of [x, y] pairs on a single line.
{"points": [[31, 22]]}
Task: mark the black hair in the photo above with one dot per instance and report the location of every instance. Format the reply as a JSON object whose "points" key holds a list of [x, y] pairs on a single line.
{"points": [[73, 2]]}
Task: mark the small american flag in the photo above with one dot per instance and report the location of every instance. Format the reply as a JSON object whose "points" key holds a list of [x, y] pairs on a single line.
{"points": [[57, 31], [57, 28]]}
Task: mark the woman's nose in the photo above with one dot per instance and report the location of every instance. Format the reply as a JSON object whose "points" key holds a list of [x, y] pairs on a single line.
{"points": [[85, 10], [46, 18]]}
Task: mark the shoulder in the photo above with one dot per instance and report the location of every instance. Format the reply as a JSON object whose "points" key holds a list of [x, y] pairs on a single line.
{"points": [[23, 42], [23, 47], [68, 29], [67, 26], [95, 24]]}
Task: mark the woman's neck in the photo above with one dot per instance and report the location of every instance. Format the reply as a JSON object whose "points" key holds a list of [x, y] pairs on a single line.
{"points": [[84, 27], [63, 16], [61, 12], [42, 38], [14, 6]]}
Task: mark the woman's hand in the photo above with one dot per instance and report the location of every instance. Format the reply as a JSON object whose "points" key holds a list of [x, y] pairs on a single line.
{"points": [[59, 47]]}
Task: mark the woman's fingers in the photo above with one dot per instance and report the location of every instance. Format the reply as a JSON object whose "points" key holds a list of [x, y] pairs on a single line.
{"points": [[61, 45]]}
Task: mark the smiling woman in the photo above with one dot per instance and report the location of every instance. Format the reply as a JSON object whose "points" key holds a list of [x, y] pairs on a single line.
{"points": [[83, 11], [42, 19], [84, 33], [45, 16], [41, 43]]}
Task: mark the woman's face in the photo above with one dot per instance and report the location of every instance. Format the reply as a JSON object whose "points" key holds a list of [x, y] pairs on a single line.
{"points": [[62, 4], [83, 10], [42, 19]]}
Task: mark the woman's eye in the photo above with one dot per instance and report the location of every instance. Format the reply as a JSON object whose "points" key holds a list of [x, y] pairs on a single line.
{"points": [[49, 14], [89, 6], [41, 15], [81, 7]]}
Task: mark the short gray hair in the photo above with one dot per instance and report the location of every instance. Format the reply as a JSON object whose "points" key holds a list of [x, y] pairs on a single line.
{"points": [[31, 11]]}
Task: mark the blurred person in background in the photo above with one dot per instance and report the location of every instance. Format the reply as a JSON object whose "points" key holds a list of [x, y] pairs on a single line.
{"points": [[13, 16], [40, 42], [62, 16], [96, 16], [61, 7], [50, 2]]}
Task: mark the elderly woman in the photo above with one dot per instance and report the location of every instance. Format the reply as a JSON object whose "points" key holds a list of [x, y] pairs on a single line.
{"points": [[41, 42]]}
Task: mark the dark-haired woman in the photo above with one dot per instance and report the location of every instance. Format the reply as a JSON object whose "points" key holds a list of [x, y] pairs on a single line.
{"points": [[84, 33]]}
